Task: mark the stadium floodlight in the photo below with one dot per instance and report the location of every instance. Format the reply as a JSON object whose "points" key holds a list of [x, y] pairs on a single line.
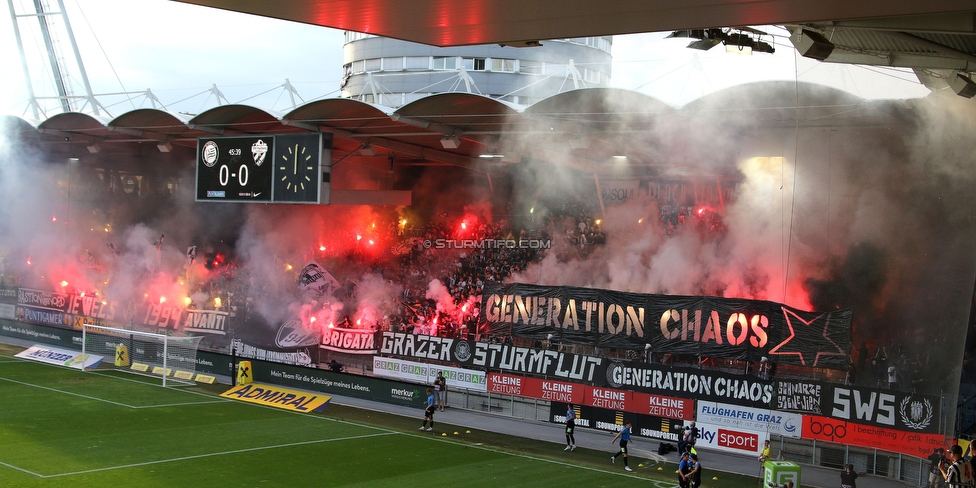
{"points": [[170, 357]]}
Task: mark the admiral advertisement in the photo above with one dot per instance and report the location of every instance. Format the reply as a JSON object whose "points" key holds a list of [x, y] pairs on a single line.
{"points": [[498, 357], [613, 421], [696, 326], [423, 373]]}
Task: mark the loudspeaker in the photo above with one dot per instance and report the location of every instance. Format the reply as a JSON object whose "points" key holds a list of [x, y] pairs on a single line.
{"points": [[811, 44], [450, 142], [964, 87]]}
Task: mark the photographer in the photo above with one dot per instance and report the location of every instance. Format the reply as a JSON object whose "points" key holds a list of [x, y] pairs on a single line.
{"points": [[848, 477], [688, 438], [960, 472], [935, 474]]}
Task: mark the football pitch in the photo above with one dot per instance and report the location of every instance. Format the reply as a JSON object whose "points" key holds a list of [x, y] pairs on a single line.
{"points": [[63, 427]]}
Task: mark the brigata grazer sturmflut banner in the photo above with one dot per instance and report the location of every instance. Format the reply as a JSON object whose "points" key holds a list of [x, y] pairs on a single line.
{"points": [[699, 326], [498, 357]]}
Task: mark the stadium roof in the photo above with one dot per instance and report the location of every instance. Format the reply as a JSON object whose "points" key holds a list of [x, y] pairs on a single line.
{"points": [[936, 39], [595, 123]]}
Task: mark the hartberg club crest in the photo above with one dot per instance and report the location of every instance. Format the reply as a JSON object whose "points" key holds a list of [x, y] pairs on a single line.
{"points": [[259, 150]]}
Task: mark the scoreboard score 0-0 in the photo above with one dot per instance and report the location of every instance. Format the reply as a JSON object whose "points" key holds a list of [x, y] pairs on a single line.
{"points": [[284, 168]]}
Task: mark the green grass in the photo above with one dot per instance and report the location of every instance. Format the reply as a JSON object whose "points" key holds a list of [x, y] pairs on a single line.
{"points": [[61, 427]]}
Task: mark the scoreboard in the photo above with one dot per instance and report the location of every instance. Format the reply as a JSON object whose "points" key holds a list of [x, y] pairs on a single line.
{"points": [[285, 168]]}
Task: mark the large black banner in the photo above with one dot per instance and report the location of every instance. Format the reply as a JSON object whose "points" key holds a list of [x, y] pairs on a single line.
{"points": [[495, 357], [699, 326], [860, 404], [683, 382], [672, 381]]}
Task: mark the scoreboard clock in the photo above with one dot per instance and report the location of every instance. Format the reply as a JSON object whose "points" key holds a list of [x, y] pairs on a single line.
{"points": [[283, 168], [298, 168]]}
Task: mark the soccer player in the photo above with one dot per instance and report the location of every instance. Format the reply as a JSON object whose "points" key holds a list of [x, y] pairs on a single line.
{"points": [[570, 428], [695, 474], [684, 469], [624, 436], [429, 411]]}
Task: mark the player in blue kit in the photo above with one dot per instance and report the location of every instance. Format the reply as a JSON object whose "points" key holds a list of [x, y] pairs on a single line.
{"points": [[570, 428], [429, 411], [624, 436]]}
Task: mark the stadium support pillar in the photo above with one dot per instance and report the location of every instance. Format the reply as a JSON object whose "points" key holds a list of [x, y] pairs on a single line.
{"points": [[599, 195]]}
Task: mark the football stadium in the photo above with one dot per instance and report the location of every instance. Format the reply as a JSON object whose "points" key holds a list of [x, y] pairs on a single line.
{"points": [[471, 289]]}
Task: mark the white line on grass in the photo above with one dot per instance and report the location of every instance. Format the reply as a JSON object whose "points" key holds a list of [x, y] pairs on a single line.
{"points": [[22, 470], [108, 401], [533, 458], [213, 454], [66, 392]]}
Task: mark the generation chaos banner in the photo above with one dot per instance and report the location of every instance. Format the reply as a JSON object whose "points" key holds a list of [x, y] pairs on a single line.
{"points": [[698, 326]]}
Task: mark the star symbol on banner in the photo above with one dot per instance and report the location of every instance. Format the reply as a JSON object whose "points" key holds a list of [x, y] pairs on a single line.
{"points": [[810, 336]]}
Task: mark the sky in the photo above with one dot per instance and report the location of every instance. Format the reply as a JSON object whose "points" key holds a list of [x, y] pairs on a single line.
{"points": [[180, 51]]}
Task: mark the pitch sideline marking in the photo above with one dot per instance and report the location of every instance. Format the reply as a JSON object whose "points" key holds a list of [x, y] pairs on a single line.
{"points": [[655, 483], [22, 470], [66, 392], [104, 400], [200, 456]]}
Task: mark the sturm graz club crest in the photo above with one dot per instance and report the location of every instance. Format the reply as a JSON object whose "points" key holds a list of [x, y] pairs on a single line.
{"points": [[916, 413], [462, 351]]}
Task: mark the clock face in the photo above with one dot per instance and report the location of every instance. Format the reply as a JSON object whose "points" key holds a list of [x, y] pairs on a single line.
{"points": [[297, 168]]}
